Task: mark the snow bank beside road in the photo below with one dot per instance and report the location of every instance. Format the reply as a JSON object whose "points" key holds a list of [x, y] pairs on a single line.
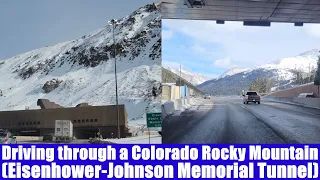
{"points": [[154, 139]]}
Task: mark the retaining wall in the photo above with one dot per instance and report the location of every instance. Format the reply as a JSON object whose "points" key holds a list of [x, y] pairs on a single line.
{"points": [[294, 92], [309, 102]]}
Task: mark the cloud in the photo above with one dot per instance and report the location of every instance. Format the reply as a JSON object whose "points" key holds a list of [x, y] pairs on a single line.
{"points": [[313, 29], [247, 45], [171, 64], [211, 76], [167, 34], [198, 49], [224, 63]]}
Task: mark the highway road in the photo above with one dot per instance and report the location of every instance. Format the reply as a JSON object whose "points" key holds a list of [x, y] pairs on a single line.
{"points": [[228, 120]]}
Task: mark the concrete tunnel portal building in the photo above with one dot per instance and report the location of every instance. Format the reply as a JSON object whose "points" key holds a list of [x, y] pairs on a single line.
{"points": [[87, 120]]}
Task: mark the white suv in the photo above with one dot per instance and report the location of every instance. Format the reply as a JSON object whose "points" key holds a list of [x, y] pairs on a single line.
{"points": [[6, 137]]}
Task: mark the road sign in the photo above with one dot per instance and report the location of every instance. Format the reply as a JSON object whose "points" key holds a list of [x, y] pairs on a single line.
{"points": [[154, 120]]}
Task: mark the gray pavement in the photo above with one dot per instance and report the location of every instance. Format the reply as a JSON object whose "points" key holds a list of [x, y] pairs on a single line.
{"points": [[228, 120]]}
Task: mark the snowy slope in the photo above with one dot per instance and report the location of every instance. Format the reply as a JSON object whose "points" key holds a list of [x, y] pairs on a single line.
{"points": [[191, 77], [232, 71], [281, 70], [301, 62], [86, 68]]}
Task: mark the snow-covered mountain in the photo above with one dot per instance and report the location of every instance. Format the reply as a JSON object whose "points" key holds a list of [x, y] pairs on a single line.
{"points": [[280, 72], [301, 61], [191, 77], [82, 70], [231, 72]]}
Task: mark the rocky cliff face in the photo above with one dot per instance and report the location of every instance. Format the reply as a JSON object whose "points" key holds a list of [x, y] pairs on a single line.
{"points": [[85, 68]]}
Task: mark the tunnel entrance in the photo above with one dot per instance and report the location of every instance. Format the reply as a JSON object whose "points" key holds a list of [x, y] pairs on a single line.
{"points": [[26, 132], [86, 133]]}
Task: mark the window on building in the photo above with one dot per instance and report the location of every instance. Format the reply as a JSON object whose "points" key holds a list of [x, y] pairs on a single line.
{"points": [[91, 120], [74, 121], [78, 120], [27, 123], [22, 123], [95, 120], [30, 123], [19, 123], [34, 123], [38, 122], [83, 120], [87, 120]]}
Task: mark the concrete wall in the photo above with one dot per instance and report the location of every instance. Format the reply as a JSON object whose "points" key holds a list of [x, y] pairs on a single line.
{"points": [[84, 119], [310, 102], [294, 92]]}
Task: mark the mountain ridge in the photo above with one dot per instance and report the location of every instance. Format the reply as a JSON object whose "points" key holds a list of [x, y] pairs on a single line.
{"points": [[279, 71], [86, 68], [191, 77]]}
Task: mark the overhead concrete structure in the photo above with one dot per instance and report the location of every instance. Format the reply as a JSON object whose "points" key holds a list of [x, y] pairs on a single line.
{"points": [[252, 12]]}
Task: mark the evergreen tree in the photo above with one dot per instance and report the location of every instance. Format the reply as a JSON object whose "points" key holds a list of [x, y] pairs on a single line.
{"points": [[261, 85], [317, 76]]}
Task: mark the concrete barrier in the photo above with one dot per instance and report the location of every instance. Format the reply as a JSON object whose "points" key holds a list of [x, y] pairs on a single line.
{"points": [[309, 102], [28, 138], [278, 99], [191, 100], [167, 108], [188, 101], [183, 102], [178, 104]]}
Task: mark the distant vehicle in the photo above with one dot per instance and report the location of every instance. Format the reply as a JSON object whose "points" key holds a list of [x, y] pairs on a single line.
{"points": [[251, 96], [48, 137], [6, 137], [63, 130], [207, 96]]}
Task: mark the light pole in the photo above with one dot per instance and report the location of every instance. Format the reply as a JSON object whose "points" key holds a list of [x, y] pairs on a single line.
{"points": [[114, 23]]}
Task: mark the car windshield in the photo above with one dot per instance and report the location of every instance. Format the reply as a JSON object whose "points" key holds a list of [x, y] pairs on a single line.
{"points": [[3, 134], [251, 93]]}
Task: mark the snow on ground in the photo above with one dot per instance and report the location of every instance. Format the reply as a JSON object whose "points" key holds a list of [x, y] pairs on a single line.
{"points": [[137, 72], [232, 71], [302, 61], [154, 139]]}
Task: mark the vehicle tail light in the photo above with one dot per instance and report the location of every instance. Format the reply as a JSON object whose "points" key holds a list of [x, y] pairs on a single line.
{"points": [[5, 140]]}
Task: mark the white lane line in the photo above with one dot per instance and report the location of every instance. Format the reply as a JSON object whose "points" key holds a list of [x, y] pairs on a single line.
{"points": [[242, 107]]}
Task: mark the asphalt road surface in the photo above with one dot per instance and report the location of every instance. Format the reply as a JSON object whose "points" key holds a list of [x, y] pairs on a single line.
{"points": [[228, 120]]}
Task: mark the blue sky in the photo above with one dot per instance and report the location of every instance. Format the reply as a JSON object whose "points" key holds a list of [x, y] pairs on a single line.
{"points": [[210, 49], [31, 24]]}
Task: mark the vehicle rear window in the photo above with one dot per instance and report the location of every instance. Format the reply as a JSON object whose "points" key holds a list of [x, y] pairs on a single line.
{"points": [[251, 93]]}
